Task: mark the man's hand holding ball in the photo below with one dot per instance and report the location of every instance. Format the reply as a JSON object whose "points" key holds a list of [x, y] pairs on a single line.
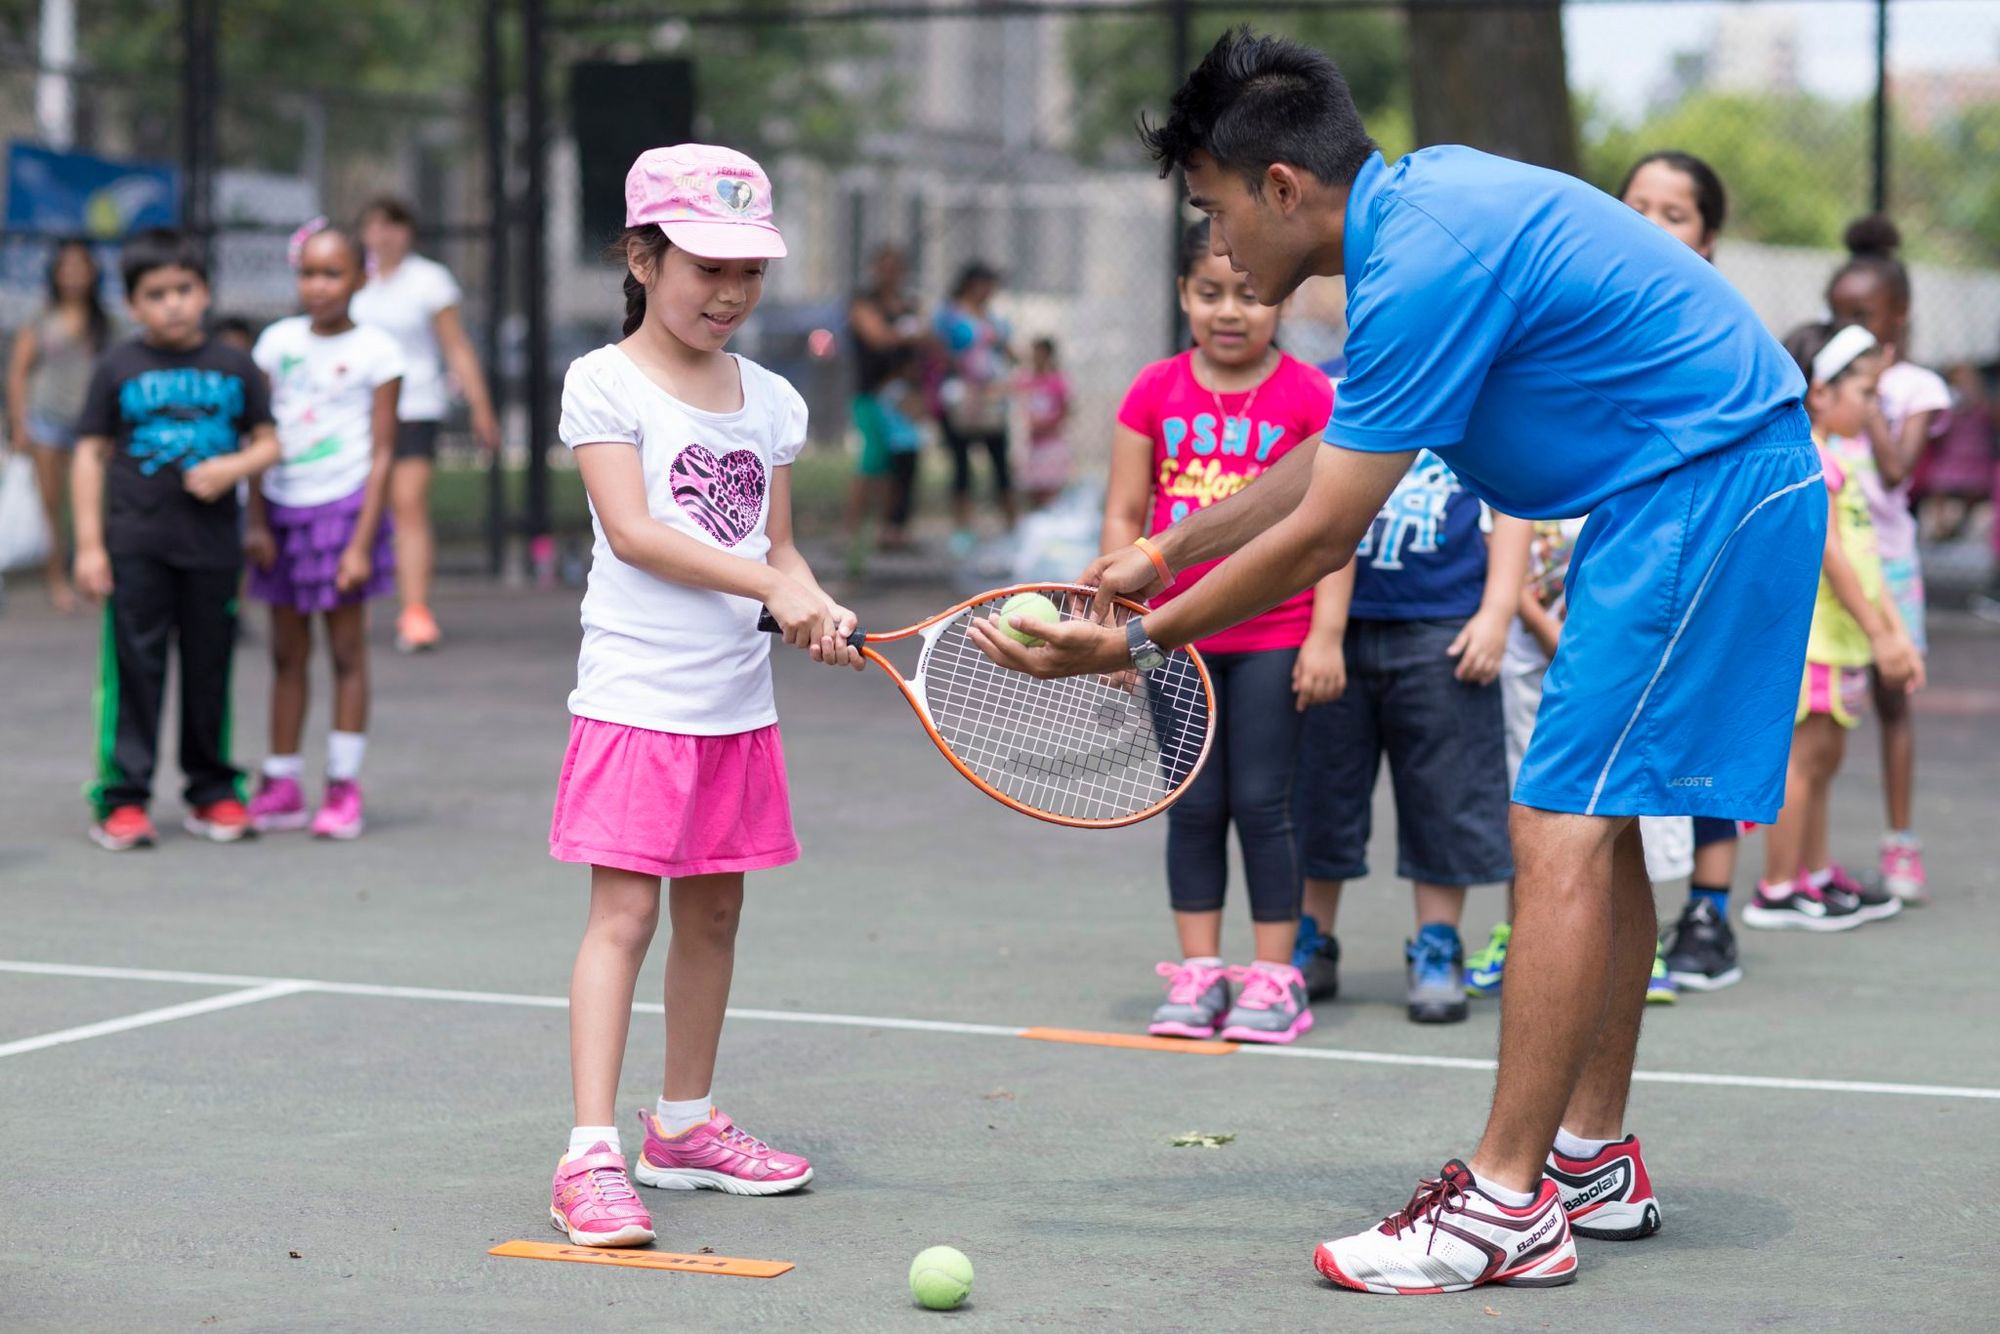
{"points": [[1060, 648]]}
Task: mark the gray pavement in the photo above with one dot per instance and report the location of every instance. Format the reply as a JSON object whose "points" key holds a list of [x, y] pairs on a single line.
{"points": [[165, 1175]]}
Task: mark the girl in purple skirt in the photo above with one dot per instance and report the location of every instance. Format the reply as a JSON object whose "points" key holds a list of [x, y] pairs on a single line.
{"points": [[318, 540]]}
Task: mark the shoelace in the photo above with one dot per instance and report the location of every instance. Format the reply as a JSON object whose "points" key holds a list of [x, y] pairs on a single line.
{"points": [[1187, 984], [610, 1185], [1261, 990], [1432, 1199], [745, 1143], [1432, 960]]}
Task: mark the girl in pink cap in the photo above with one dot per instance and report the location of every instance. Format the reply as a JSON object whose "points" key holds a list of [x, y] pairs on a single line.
{"points": [[674, 770]]}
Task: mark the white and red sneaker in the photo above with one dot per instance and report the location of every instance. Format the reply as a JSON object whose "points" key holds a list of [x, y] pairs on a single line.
{"points": [[1450, 1237], [1608, 1197]]}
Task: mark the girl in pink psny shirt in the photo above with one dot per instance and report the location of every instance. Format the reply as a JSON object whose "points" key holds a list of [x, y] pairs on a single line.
{"points": [[1873, 290], [1196, 429]]}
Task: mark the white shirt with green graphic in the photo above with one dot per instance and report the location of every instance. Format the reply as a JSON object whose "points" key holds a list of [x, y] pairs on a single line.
{"points": [[323, 397]]}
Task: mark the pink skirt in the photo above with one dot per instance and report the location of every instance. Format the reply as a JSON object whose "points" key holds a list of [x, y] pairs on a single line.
{"points": [[672, 805]]}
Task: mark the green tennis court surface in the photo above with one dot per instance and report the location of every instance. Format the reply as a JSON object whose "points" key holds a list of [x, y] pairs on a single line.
{"points": [[302, 1086]]}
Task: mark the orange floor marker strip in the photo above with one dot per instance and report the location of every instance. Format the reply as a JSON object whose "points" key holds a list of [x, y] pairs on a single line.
{"points": [[1085, 1038], [642, 1259]]}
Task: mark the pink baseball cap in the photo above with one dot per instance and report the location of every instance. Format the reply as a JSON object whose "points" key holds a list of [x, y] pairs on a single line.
{"points": [[710, 201]]}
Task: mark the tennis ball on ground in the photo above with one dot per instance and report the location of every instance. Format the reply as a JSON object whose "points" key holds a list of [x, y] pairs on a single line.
{"points": [[941, 1277], [1034, 606]]}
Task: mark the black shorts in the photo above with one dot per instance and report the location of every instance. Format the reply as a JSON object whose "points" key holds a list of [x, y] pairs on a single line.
{"points": [[417, 440], [1447, 752]]}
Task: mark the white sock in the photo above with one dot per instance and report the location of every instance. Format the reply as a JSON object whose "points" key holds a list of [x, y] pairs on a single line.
{"points": [[1513, 1199], [1821, 878], [581, 1138], [343, 755], [1201, 961], [285, 766], [678, 1116], [1275, 969], [1902, 838], [1576, 1146]]}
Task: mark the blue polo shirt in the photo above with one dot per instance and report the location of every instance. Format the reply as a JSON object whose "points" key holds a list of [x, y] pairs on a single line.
{"points": [[1546, 340]]}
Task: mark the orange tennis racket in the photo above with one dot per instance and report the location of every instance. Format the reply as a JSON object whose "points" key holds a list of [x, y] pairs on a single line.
{"points": [[1091, 752]]}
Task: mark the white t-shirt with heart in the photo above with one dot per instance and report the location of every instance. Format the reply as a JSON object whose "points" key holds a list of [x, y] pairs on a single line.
{"points": [[660, 655]]}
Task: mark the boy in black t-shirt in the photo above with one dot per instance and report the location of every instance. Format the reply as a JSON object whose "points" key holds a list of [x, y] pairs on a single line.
{"points": [[159, 457]]}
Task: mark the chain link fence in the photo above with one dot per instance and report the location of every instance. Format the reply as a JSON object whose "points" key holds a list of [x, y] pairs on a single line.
{"points": [[992, 132]]}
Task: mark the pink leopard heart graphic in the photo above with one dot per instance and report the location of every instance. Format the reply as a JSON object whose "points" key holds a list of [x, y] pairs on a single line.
{"points": [[724, 495]]}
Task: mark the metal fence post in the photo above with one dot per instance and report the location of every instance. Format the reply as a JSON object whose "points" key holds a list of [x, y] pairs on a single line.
{"points": [[1182, 18], [500, 215], [199, 77], [1881, 117], [535, 273]]}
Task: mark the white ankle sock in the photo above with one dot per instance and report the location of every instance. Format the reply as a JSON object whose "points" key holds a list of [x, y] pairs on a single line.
{"points": [[285, 766], [582, 1137], [1821, 878], [678, 1116], [1576, 1146], [1201, 961], [1513, 1199], [343, 755], [1275, 969]]}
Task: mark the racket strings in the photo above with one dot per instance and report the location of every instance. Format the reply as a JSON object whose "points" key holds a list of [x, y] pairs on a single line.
{"points": [[1079, 748]]}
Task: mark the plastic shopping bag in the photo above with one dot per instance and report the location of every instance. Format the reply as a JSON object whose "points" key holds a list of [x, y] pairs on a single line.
{"points": [[24, 532]]}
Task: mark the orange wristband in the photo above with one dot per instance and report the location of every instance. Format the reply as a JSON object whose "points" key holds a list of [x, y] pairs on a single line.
{"points": [[1153, 555]]}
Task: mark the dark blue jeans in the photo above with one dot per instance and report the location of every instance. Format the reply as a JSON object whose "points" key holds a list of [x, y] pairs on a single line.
{"points": [[1247, 780]]}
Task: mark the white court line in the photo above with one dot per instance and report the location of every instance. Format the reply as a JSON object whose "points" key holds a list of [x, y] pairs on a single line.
{"points": [[280, 986], [146, 1018]]}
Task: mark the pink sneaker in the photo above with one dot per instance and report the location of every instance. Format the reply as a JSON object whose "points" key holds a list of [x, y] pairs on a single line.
{"points": [[593, 1201], [340, 814], [280, 804], [1903, 872], [1271, 1007], [715, 1155]]}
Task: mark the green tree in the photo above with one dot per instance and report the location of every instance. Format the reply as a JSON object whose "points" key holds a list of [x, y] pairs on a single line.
{"points": [[1122, 67], [1795, 166]]}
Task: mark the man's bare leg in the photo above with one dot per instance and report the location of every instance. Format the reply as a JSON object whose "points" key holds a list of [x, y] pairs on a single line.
{"points": [[1559, 979], [1597, 1107]]}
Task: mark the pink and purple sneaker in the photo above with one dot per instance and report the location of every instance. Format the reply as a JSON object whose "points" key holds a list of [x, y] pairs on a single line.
{"points": [[1197, 998], [715, 1155], [1271, 1007], [1903, 871], [593, 1201], [340, 814], [280, 805]]}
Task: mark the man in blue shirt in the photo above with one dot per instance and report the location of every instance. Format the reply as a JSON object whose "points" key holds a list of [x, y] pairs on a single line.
{"points": [[1562, 354]]}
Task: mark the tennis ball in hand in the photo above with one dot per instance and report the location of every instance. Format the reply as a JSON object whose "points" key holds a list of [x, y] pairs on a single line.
{"points": [[1034, 606], [941, 1277]]}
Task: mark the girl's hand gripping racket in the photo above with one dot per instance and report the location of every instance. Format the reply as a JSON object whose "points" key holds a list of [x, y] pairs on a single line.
{"points": [[1092, 752]]}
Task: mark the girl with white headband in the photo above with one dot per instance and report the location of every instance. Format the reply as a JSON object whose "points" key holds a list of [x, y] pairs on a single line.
{"points": [[1854, 626]]}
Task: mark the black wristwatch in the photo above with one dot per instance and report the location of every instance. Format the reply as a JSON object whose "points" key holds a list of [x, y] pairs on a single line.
{"points": [[1146, 655]]}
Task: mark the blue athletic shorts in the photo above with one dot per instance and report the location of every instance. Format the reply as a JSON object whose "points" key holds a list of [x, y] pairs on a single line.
{"points": [[1677, 676]]}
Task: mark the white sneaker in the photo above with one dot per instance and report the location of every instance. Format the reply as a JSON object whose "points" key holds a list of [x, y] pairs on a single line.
{"points": [[1451, 1237]]}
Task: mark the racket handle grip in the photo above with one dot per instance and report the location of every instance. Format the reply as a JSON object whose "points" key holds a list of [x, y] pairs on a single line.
{"points": [[769, 625]]}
